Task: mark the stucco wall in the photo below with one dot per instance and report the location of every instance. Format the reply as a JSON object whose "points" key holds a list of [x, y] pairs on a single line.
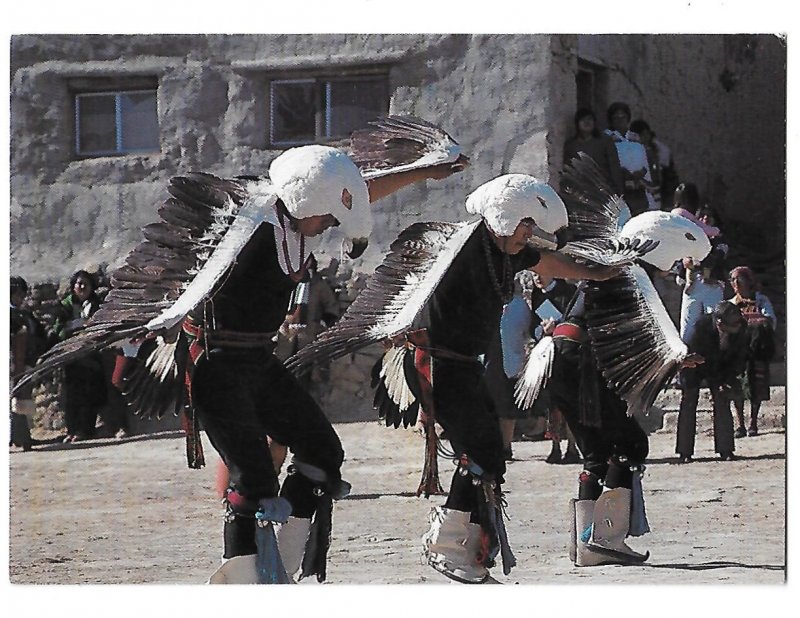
{"points": [[490, 92]]}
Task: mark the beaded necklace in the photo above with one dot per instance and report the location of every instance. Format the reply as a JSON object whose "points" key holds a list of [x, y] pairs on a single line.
{"points": [[504, 286]]}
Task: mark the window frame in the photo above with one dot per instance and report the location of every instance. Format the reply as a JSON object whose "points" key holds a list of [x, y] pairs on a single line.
{"points": [[597, 76], [118, 137], [323, 89]]}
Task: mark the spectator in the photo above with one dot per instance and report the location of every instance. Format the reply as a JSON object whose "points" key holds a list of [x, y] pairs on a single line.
{"points": [[599, 147], [505, 359], [703, 284], [721, 339], [632, 157], [555, 293], [26, 344], [761, 323], [644, 135], [669, 175], [84, 380]]}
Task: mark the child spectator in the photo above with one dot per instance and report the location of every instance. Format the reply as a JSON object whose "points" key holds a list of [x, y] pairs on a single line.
{"points": [[703, 286]]}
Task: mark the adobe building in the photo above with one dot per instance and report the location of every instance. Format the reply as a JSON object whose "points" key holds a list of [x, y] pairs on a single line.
{"points": [[100, 123]]}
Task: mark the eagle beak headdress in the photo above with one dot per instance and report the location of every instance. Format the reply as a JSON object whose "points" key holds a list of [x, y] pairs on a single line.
{"points": [[506, 200], [677, 236], [320, 180]]}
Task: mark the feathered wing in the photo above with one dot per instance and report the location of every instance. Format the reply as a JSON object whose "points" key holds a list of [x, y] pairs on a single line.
{"points": [[400, 143], [204, 224], [637, 347], [593, 208], [596, 217], [155, 386], [395, 294]]}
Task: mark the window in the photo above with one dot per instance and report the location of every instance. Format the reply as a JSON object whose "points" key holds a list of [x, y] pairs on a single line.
{"points": [[117, 122], [591, 82], [304, 111]]}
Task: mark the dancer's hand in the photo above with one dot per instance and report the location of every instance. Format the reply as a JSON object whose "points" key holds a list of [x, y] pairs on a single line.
{"points": [[692, 361]]}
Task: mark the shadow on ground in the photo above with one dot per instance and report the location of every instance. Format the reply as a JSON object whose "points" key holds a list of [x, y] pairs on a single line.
{"points": [[705, 566]]}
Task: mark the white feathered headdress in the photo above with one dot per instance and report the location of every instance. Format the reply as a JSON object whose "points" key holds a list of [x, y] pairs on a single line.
{"points": [[677, 237], [320, 180], [508, 199]]}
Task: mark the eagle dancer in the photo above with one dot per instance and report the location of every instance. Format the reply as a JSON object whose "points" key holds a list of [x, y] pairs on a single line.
{"points": [[208, 289], [615, 350]]}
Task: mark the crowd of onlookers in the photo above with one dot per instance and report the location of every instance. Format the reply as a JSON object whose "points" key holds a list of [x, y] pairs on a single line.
{"points": [[84, 380]]}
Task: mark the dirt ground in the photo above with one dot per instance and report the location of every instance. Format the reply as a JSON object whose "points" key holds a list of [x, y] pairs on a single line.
{"points": [[131, 512]]}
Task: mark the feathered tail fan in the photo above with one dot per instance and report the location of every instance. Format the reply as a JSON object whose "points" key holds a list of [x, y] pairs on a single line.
{"points": [[400, 143], [535, 374], [395, 383], [155, 387], [609, 251], [596, 217], [395, 294], [402, 380], [637, 347]]}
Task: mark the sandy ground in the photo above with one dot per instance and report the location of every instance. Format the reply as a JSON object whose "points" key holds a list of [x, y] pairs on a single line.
{"points": [[133, 513]]}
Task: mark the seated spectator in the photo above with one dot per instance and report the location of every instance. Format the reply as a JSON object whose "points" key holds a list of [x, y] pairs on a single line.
{"points": [[761, 323], [84, 380], [721, 339], [633, 159], [599, 147]]}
